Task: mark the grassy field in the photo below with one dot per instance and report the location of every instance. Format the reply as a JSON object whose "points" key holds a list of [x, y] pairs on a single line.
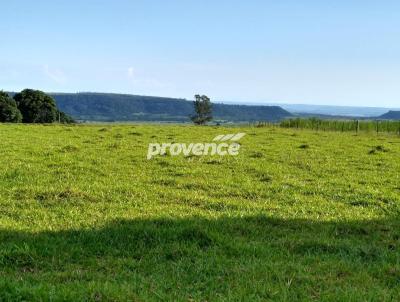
{"points": [[297, 215]]}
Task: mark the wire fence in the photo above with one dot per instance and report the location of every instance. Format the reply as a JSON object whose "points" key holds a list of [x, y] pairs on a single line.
{"points": [[378, 126]]}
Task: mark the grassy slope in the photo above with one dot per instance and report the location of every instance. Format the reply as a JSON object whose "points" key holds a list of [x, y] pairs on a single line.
{"points": [[298, 215]]}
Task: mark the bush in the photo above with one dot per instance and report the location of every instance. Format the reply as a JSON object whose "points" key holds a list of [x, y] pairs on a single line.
{"points": [[9, 112], [36, 106]]}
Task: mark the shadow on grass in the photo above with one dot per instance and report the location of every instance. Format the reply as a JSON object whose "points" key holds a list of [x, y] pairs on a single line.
{"points": [[252, 256]]}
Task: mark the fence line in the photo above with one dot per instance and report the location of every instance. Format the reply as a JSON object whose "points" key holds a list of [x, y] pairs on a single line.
{"points": [[378, 126]]}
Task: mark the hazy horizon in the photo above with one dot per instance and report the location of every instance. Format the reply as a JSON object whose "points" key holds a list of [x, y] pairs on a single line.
{"points": [[311, 53]]}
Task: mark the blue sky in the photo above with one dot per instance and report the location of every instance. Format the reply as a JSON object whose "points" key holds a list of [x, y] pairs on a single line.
{"points": [[314, 52]]}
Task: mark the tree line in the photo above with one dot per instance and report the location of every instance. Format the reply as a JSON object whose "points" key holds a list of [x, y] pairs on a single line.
{"points": [[30, 106], [108, 107], [35, 106]]}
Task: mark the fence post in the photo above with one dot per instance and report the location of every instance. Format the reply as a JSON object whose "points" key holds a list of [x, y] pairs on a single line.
{"points": [[357, 126], [377, 127], [399, 128]]}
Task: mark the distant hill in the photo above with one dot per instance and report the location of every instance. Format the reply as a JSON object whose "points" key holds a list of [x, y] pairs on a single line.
{"points": [[122, 107], [341, 111], [391, 115], [331, 110]]}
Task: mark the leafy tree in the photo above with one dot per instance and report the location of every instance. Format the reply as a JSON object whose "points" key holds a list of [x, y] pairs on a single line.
{"points": [[9, 112], [36, 106], [203, 110]]}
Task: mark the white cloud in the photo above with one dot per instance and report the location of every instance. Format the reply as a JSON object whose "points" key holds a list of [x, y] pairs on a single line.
{"points": [[55, 74], [131, 72]]}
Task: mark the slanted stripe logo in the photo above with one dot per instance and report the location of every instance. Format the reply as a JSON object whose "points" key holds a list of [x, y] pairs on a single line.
{"points": [[226, 137]]}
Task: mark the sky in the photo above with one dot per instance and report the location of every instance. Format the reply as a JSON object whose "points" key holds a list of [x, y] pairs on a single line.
{"points": [[288, 51]]}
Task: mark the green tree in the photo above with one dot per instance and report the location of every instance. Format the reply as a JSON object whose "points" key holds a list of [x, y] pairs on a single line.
{"points": [[36, 106], [9, 112], [203, 110]]}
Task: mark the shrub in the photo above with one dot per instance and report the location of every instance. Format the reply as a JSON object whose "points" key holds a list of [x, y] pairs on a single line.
{"points": [[36, 106], [9, 112]]}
